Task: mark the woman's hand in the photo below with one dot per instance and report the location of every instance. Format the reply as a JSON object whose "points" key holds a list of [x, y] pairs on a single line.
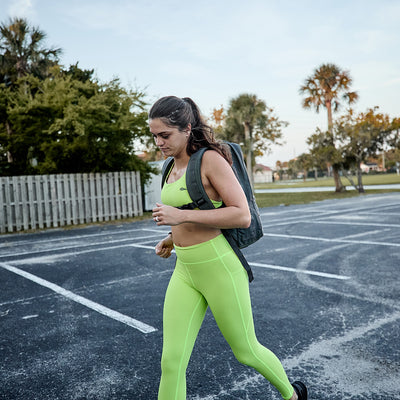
{"points": [[165, 247], [167, 215]]}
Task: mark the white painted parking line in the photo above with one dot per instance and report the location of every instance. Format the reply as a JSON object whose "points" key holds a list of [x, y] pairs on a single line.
{"points": [[320, 239], [155, 230], [142, 246], [56, 257], [54, 249], [141, 326], [380, 224], [380, 214], [300, 271], [7, 243], [375, 232], [30, 316]]}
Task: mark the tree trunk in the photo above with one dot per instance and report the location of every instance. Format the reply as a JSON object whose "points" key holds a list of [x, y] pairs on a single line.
{"points": [[338, 183], [359, 179], [330, 120], [336, 177], [350, 180], [10, 158]]}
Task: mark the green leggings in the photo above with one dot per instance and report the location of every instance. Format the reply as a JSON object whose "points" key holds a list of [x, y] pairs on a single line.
{"points": [[210, 274]]}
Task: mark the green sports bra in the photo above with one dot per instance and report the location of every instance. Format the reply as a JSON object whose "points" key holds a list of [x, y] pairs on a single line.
{"points": [[175, 194]]}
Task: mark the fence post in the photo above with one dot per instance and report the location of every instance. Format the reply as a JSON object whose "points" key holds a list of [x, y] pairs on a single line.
{"points": [[137, 193], [73, 198], [105, 197], [30, 203], [112, 194], [67, 198], [123, 193], [47, 189], [9, 214], [99, 196], [117, 187], [39, 200]]}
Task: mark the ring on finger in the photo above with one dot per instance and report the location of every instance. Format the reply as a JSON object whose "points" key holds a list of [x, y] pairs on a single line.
{"points": [[157, 220]]}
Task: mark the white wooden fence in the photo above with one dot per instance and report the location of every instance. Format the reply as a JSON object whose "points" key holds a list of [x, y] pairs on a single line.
{"points": [[42, 201]]}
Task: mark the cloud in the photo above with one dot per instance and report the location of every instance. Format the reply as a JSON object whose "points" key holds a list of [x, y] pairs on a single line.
{"points": [[21, 8]]}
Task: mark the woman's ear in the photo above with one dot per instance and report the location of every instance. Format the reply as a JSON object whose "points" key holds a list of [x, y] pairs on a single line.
{"points": [[188, 130]]}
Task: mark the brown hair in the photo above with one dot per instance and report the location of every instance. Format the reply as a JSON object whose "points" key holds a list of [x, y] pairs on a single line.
{"points": [[177, 112]]}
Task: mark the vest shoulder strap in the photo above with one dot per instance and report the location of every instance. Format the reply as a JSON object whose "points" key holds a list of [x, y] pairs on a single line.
{"points": [[194, 184], [165, 169]]}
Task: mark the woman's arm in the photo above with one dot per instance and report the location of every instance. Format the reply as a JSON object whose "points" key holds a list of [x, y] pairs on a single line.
{"points": [[219, 181]]}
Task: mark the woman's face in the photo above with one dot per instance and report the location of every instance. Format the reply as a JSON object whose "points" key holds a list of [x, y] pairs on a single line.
{"points": [[169, 139]]}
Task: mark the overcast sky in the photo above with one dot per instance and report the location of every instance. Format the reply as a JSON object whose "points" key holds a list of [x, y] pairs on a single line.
{"points": [[215, 50]]}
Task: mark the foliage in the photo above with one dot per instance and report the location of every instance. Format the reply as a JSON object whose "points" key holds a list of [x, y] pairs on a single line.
{"points": [[218, 120], [21, 51], [303, 163], [362, 136], [393, 139], [325, 150], [393, 158], [352, 140], [55, 120], [247, 112], [250, 123], [62, 124], [327, 87]]}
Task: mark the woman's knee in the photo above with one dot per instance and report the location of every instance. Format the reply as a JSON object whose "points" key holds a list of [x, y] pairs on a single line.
{"points": [[173, 362], [244, 354]]}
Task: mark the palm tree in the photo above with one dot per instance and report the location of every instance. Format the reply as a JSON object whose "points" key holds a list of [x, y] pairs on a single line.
{"points": [[250, 121], [246, 109], [21, 53], [327, 87]]}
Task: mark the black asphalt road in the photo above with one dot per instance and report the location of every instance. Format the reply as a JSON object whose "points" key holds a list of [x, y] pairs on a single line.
{"points": [[81, 309]]}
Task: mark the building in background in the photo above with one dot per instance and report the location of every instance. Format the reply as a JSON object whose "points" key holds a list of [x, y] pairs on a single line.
{"points": [[263, 174]]}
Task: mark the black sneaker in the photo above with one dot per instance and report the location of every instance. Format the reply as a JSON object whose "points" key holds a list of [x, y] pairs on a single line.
{"points": [[300, 389]]}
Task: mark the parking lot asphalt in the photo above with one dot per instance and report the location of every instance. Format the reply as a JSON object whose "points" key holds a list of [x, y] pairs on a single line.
{"points": [[81, 308]]}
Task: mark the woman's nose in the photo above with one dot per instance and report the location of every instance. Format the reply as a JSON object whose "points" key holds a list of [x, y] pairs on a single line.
{"points": [[158, 140]]}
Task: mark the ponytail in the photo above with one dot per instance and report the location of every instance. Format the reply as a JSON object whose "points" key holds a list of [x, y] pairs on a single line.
{"points": [[177, 112]]}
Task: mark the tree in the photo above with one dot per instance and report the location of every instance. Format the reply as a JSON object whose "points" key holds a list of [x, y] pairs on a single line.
{"points": [[251, 123], [278, 168], [67, 125], [304, 163], [394, 136], [22, 53], [325, 150], [362, 136], [326, 88]]}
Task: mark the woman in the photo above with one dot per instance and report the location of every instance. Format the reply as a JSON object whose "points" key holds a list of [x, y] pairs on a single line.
{"points": [[207, 271]]}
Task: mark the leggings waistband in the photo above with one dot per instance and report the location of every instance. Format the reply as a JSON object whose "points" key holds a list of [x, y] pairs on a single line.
{"points": [[203, 252]]}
